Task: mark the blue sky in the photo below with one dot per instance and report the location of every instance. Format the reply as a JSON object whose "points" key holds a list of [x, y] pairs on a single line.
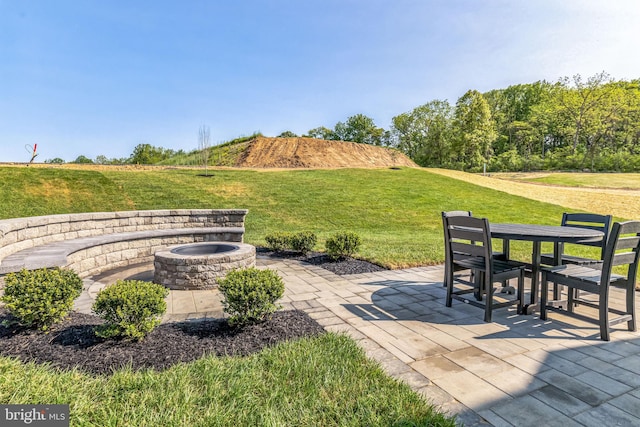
{"points": [[98, 77]]}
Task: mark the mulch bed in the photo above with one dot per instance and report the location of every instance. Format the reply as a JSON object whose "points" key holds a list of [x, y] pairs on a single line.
{"points": [[342, 266], [73, 344]]}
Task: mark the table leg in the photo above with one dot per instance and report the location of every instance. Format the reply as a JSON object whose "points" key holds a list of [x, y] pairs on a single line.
{"points": [[535, 282], [557, 260], [506, 248], [557, 300]]}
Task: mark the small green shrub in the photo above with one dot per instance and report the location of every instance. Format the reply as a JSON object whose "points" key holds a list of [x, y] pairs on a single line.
{"points": [[39, 298], [130, 308], [278, 242], [342, 244], [303, 241], [250, 295]]}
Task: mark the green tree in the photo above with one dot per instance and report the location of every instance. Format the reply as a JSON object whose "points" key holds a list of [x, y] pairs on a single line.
{"points": [[147, 154], [55, 160], [512, 110], [287, 134], [581, 102], [322, 133], [424, 134], [82, 160], [102, 159], [474, 131], [359, 128]]}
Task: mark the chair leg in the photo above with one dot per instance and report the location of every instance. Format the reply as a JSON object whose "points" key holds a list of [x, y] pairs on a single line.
{"points": [[489, 302], [446, 274], [449, 284], [520, 294], [603, 302], [557, 292], [480, 286], [631, 306], [544, 290], [571, 294]]}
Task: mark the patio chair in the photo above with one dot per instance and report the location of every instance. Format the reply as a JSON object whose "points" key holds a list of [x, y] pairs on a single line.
{"points": [[498, 255], [447, 263], [468, 242], [583, 220], [623, 248]]}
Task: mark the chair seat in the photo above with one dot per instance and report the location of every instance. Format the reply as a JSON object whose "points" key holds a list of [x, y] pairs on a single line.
{"points": [[549, 259], [499, 266], [579, 273]]}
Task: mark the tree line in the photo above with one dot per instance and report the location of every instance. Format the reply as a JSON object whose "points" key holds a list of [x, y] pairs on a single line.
{"points": [[572, 124]]}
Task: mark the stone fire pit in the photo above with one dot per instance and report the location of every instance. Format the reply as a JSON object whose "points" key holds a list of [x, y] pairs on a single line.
{"points": [[198, 265]]}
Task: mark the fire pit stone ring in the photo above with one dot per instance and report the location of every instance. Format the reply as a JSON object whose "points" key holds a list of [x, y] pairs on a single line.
{"points": [[196, 266]]}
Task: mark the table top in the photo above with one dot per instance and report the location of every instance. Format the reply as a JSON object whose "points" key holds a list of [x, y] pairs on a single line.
{"points": [[544, 233]]}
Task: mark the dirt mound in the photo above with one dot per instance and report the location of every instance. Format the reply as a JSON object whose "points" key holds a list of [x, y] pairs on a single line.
{"points": [[265, 152]]}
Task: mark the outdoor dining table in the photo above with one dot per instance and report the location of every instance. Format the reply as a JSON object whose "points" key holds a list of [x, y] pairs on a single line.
{"points": [[537, 234]]}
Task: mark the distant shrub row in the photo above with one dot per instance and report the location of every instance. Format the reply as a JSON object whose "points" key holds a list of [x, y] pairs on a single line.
{"points": [[302, 242], [339, 245]]}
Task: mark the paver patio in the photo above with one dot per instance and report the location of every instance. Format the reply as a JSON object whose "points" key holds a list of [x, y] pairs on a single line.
{"points": [[515, 371]]}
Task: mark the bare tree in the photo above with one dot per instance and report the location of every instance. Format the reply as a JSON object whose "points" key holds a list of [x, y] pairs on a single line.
{"points": [[203, 146]]}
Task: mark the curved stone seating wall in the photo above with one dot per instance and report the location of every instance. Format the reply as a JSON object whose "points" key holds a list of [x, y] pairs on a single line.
{"points": [[93, 242]]}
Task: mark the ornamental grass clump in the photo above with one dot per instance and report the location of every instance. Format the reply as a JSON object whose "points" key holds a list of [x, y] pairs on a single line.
{"points": [[343, 244], [250, 295], [39, 298], [130, 308]]}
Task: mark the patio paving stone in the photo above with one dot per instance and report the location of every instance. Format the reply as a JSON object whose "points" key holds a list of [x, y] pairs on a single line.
{"points": [[515, 371]]}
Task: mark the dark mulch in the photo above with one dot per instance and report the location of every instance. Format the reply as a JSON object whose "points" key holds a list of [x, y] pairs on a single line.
{"points": [[72, 343], [341, 266]]}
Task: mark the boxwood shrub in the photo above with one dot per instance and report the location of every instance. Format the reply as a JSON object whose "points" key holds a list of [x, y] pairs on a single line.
{"points": [[130, 308], [39, 298], [342, 244], [250, 295], [302, 242], [278, 241]]}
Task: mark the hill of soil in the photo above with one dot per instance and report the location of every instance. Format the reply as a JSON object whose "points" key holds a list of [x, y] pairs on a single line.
{"points": [[264, 152]]}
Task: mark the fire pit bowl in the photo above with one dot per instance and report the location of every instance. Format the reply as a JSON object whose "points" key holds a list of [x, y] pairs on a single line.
{"points": [[199, 265]]}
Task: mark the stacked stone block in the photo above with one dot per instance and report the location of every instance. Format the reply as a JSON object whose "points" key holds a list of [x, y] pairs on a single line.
{"points": [[93, 242]]}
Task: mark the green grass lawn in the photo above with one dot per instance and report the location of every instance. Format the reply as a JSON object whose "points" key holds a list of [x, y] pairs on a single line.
{"points": [[321, 381], [324, 381], [396, 212]]}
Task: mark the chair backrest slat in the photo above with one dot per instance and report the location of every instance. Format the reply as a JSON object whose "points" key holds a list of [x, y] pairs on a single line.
{"points": [[471, 236], [625, 237], [627, 242], [467, 249], [449, 214], [592, 222], [447, 237], [623, 258]]}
